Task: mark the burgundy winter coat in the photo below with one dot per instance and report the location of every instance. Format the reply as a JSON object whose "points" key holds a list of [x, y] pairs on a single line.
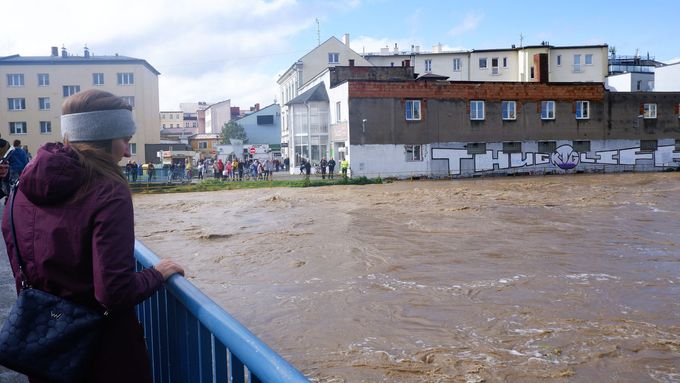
{"points": [[83, 250]]}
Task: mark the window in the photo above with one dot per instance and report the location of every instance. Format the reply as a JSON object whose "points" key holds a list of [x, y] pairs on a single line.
{"points": [[577, 63], [412, 110], [559, 60], [581, 146], [482, 63], [649, 111], [547, 110], [126, 79], [338, 109], [414, 152], [43, 79], [476, 110], [457, 65], [97, 78], [494, 65], [265, 120], [476, 148], [45, 127], [505, 62], [44, 103], [509, 110], [512, 147], [16, 103], [428, 65], [582, 110], [532, 73], [203, 145], [133, 148], [130, 100], [71, 90], [333, 58], [15, 79], [163, 126], [547, 146], [648, 145], [589, 59], [17, 127]]}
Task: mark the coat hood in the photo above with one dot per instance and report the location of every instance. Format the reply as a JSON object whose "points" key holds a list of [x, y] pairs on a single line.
{"points": [[54, 175]]}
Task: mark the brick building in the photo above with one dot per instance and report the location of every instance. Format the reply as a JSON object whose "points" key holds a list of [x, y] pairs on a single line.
{"points": [[391, 125]]}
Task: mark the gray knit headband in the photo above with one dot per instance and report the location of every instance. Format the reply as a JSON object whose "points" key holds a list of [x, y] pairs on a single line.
{"points": [[97, 126]]}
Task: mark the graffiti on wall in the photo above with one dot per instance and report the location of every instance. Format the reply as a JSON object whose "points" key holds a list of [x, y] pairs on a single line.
{"points": [[564, 157]]}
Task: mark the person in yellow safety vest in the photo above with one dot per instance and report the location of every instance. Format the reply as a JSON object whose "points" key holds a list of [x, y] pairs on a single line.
{"points": [[344, 165], [188, 169]]}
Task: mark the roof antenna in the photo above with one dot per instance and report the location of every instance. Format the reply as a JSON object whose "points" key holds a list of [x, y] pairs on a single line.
{"points": [[318, 32]]}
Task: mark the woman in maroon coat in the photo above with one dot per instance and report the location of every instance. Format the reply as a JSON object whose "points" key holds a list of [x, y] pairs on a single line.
{"points": [[74, 225]]}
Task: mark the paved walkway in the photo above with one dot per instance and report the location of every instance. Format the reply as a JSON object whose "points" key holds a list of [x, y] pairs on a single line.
{"points": [[7, 297]]}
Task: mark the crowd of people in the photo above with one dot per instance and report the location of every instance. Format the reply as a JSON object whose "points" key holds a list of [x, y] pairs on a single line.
{"points": [[231, 169], [325, 168]]}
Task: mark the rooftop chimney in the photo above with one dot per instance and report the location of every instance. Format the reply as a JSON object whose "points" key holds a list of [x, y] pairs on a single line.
{"points": [[396, 48], [63, 51], [345, 39], [55, 51], [87, 52]]}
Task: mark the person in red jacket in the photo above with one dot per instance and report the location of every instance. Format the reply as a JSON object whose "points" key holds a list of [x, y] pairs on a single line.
{"points": [[75, 229]]}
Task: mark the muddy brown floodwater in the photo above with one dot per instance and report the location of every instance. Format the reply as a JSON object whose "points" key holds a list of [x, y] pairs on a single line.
{"points": [[536, 279]]}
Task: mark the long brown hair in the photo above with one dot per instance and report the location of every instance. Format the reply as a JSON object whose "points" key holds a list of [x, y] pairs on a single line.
{"points": [[95, 156]]}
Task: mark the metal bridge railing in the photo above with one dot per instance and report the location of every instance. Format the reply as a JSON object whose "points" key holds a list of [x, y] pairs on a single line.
{"points": [[192, 339]]}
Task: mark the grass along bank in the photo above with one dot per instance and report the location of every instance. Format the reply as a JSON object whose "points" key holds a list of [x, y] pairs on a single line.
{"points": [[214, 184]]}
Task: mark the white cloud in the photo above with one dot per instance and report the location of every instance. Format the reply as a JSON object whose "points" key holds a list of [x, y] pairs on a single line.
{"points": [[469, 23], [207, 51]]}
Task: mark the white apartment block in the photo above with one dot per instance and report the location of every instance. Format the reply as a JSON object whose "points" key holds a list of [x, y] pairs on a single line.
{"points": [[330, 53], [667, 78], [586, 63], [33, 88], [216, 115]]}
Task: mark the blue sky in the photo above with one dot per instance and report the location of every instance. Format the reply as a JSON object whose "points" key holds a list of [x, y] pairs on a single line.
{"points": [[214, 50]]}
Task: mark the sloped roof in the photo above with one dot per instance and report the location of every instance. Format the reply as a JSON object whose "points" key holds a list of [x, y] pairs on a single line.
{"points": [[316, 93], [431, 77]]}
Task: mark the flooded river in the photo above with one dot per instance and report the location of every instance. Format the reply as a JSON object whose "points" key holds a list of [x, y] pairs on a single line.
{"points": [[532, 279]]}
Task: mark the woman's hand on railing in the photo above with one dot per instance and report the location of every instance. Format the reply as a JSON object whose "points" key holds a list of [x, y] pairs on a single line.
{"points": [[167, 268]]}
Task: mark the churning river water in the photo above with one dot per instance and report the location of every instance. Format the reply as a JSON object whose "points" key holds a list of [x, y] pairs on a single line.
{"points": [[532, 279]]}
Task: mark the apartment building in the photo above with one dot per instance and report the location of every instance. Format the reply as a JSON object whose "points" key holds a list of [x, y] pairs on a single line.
{"points": [[216, 115], [33, 88], [330, 53], [535, 63]]}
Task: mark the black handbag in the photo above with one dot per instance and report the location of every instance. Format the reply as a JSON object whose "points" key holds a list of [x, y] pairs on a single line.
{"points": [[47, 336]]}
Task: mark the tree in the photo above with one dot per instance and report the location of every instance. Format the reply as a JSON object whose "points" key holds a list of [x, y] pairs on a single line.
{"points": [[233, 129]]}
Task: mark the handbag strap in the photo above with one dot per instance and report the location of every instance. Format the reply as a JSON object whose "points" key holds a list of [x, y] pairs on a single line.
{"points": [[25, 284]]}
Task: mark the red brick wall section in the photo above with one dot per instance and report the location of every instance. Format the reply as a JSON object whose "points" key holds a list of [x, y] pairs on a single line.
{"points": [[488, 91]]}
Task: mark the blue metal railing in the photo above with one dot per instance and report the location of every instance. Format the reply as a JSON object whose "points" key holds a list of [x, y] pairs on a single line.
{"points": [[192, 339]]}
